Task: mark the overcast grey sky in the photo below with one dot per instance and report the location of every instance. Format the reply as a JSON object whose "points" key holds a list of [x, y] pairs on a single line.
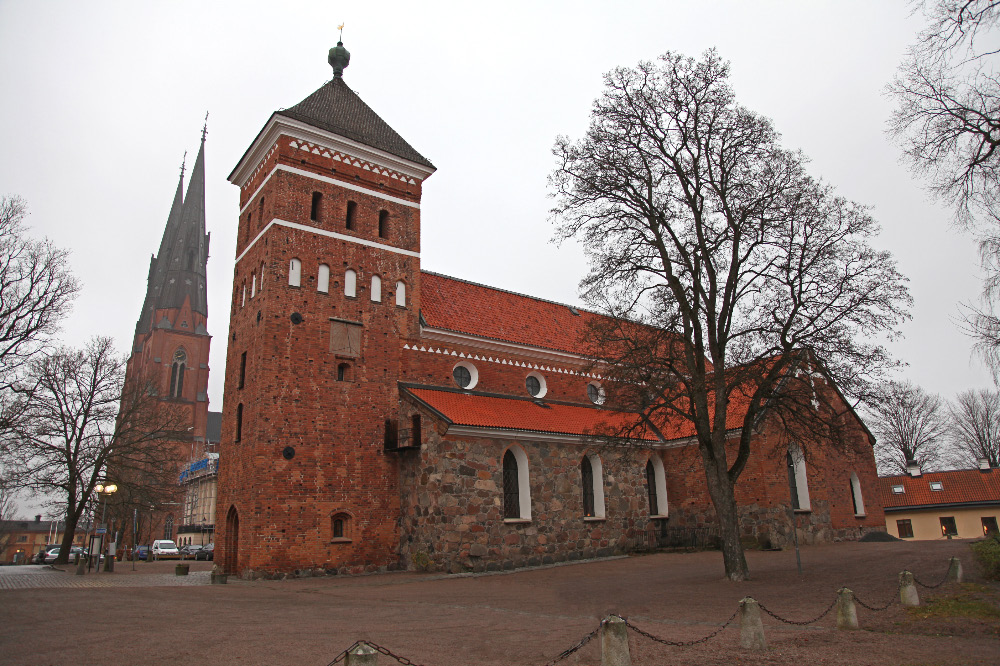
{"points": [[101, 99]]}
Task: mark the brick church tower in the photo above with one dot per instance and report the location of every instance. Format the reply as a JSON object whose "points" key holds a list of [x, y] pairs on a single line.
{"points": [[171, 342], [326, 291]]}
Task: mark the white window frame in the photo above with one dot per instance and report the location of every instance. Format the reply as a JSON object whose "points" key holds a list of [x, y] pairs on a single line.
{"points": [[597, 472], [294, 273], [376, 292], [523, 484], [400, 294], [350, 283], [323, 279], [660, 478]]}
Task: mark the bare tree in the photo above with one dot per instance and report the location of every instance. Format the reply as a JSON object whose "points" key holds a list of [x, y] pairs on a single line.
{"points": [[8, 510], [975, 420], [36, 291], [84, 425], [909, 424], [746, 274]]}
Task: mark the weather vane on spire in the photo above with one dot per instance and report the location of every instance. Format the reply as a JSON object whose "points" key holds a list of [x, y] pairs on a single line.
{"points": [[184, 163], [339, 57], [204, 128]]}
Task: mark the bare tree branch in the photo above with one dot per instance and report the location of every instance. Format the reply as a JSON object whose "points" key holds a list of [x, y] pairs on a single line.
{"points": [[975, 420]]}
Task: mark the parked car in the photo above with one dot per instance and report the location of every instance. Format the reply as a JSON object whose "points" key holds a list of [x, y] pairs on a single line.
{"points": [[164, 549], [190, 551], [141, 552], [206, 553]]}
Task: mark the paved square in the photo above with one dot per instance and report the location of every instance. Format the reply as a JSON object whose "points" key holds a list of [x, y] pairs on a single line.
{"points": [[525, 617]]}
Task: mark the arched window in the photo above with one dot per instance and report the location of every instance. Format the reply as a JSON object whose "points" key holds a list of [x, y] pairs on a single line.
{"points": [[253, 284], [239, 423], [656, 488], [376, 289], [592, 475], [350, 283], [168, 526], [260, 214], [797, 481], [262, 276], [383, 224], [323, 279], [516, 489], [401, 294], [177, 368], [856, 498], [340, 526], [243, 296], [294, 273], [349, 217], [317, 204]]}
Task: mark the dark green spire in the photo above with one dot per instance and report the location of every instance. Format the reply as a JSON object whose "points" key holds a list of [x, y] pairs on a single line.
{"points": [[339, 58]]}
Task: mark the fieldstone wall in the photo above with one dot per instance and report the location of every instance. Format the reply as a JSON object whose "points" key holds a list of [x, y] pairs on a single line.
{"points": [[452, 499]]}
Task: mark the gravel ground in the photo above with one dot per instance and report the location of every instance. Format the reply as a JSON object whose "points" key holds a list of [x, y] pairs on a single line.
{"points": [[526, 617]]}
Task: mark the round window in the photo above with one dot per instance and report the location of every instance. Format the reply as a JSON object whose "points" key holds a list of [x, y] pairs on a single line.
{"points": [[596, 393], [465, 375], [462, 376], [533, 385]]}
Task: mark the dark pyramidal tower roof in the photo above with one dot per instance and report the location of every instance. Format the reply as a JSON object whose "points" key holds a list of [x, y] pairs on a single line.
{"points": [[338, 109], [178, 271]]}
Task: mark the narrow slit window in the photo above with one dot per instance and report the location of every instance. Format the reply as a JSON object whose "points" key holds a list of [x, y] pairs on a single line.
{"points": [[239, 423], [349, 217], [317, 206], [376, 294], [383, 224], [243, 369]]}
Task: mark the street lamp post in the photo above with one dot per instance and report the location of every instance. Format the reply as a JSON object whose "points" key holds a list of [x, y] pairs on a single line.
{"points": [[105, 491]]}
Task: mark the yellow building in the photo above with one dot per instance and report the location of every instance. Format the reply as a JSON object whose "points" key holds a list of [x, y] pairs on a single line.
{"points": [[21, 540], [962, 504]]}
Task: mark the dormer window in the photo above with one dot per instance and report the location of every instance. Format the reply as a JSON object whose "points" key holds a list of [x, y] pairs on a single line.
{"points": [[899, 490], [937, 485]]}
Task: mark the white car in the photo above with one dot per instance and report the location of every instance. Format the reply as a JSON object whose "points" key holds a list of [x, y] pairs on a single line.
{"points": [[164, 549]]}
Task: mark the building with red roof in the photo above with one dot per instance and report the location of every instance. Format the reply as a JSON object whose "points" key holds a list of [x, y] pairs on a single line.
{"points": [[380, 416], [960, 504]]}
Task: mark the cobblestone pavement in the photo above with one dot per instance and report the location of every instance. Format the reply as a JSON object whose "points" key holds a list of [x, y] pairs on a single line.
{"points": [[32, 577]]}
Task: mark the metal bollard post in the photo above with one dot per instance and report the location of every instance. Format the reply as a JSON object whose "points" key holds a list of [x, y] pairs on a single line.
{"points": [[751, 628], [362, 654], [908, 590], [847, 612], [614, 642], [955, 570]]}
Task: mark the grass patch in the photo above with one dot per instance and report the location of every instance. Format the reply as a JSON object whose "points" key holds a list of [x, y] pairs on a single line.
{"points": [[973, 602]]}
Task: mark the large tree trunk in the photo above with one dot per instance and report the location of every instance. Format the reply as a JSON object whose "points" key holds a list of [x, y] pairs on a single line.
{"points": [[724, 499], [72, 519]]}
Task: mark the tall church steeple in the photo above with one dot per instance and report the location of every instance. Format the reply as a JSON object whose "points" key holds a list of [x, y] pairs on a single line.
{"points": [[177, 273]]}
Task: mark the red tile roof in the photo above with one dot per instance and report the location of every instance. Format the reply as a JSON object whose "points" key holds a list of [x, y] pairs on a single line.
{"points": [[679, 427], [958, 487], [487, 411], [467, 307]]}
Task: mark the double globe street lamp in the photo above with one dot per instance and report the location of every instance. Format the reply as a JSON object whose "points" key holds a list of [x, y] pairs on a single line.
{"points": [[105, 490]]}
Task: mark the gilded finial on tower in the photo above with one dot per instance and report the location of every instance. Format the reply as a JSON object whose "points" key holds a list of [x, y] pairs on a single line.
{"points": [[339, 57], [204, 128], [183, 163]]}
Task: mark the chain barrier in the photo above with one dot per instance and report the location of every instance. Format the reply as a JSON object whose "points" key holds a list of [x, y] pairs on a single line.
{"points": [[801, 624], [877, 609], [931, 587], [343, 655], [565, 653], [386, 652], [680, 643]]}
